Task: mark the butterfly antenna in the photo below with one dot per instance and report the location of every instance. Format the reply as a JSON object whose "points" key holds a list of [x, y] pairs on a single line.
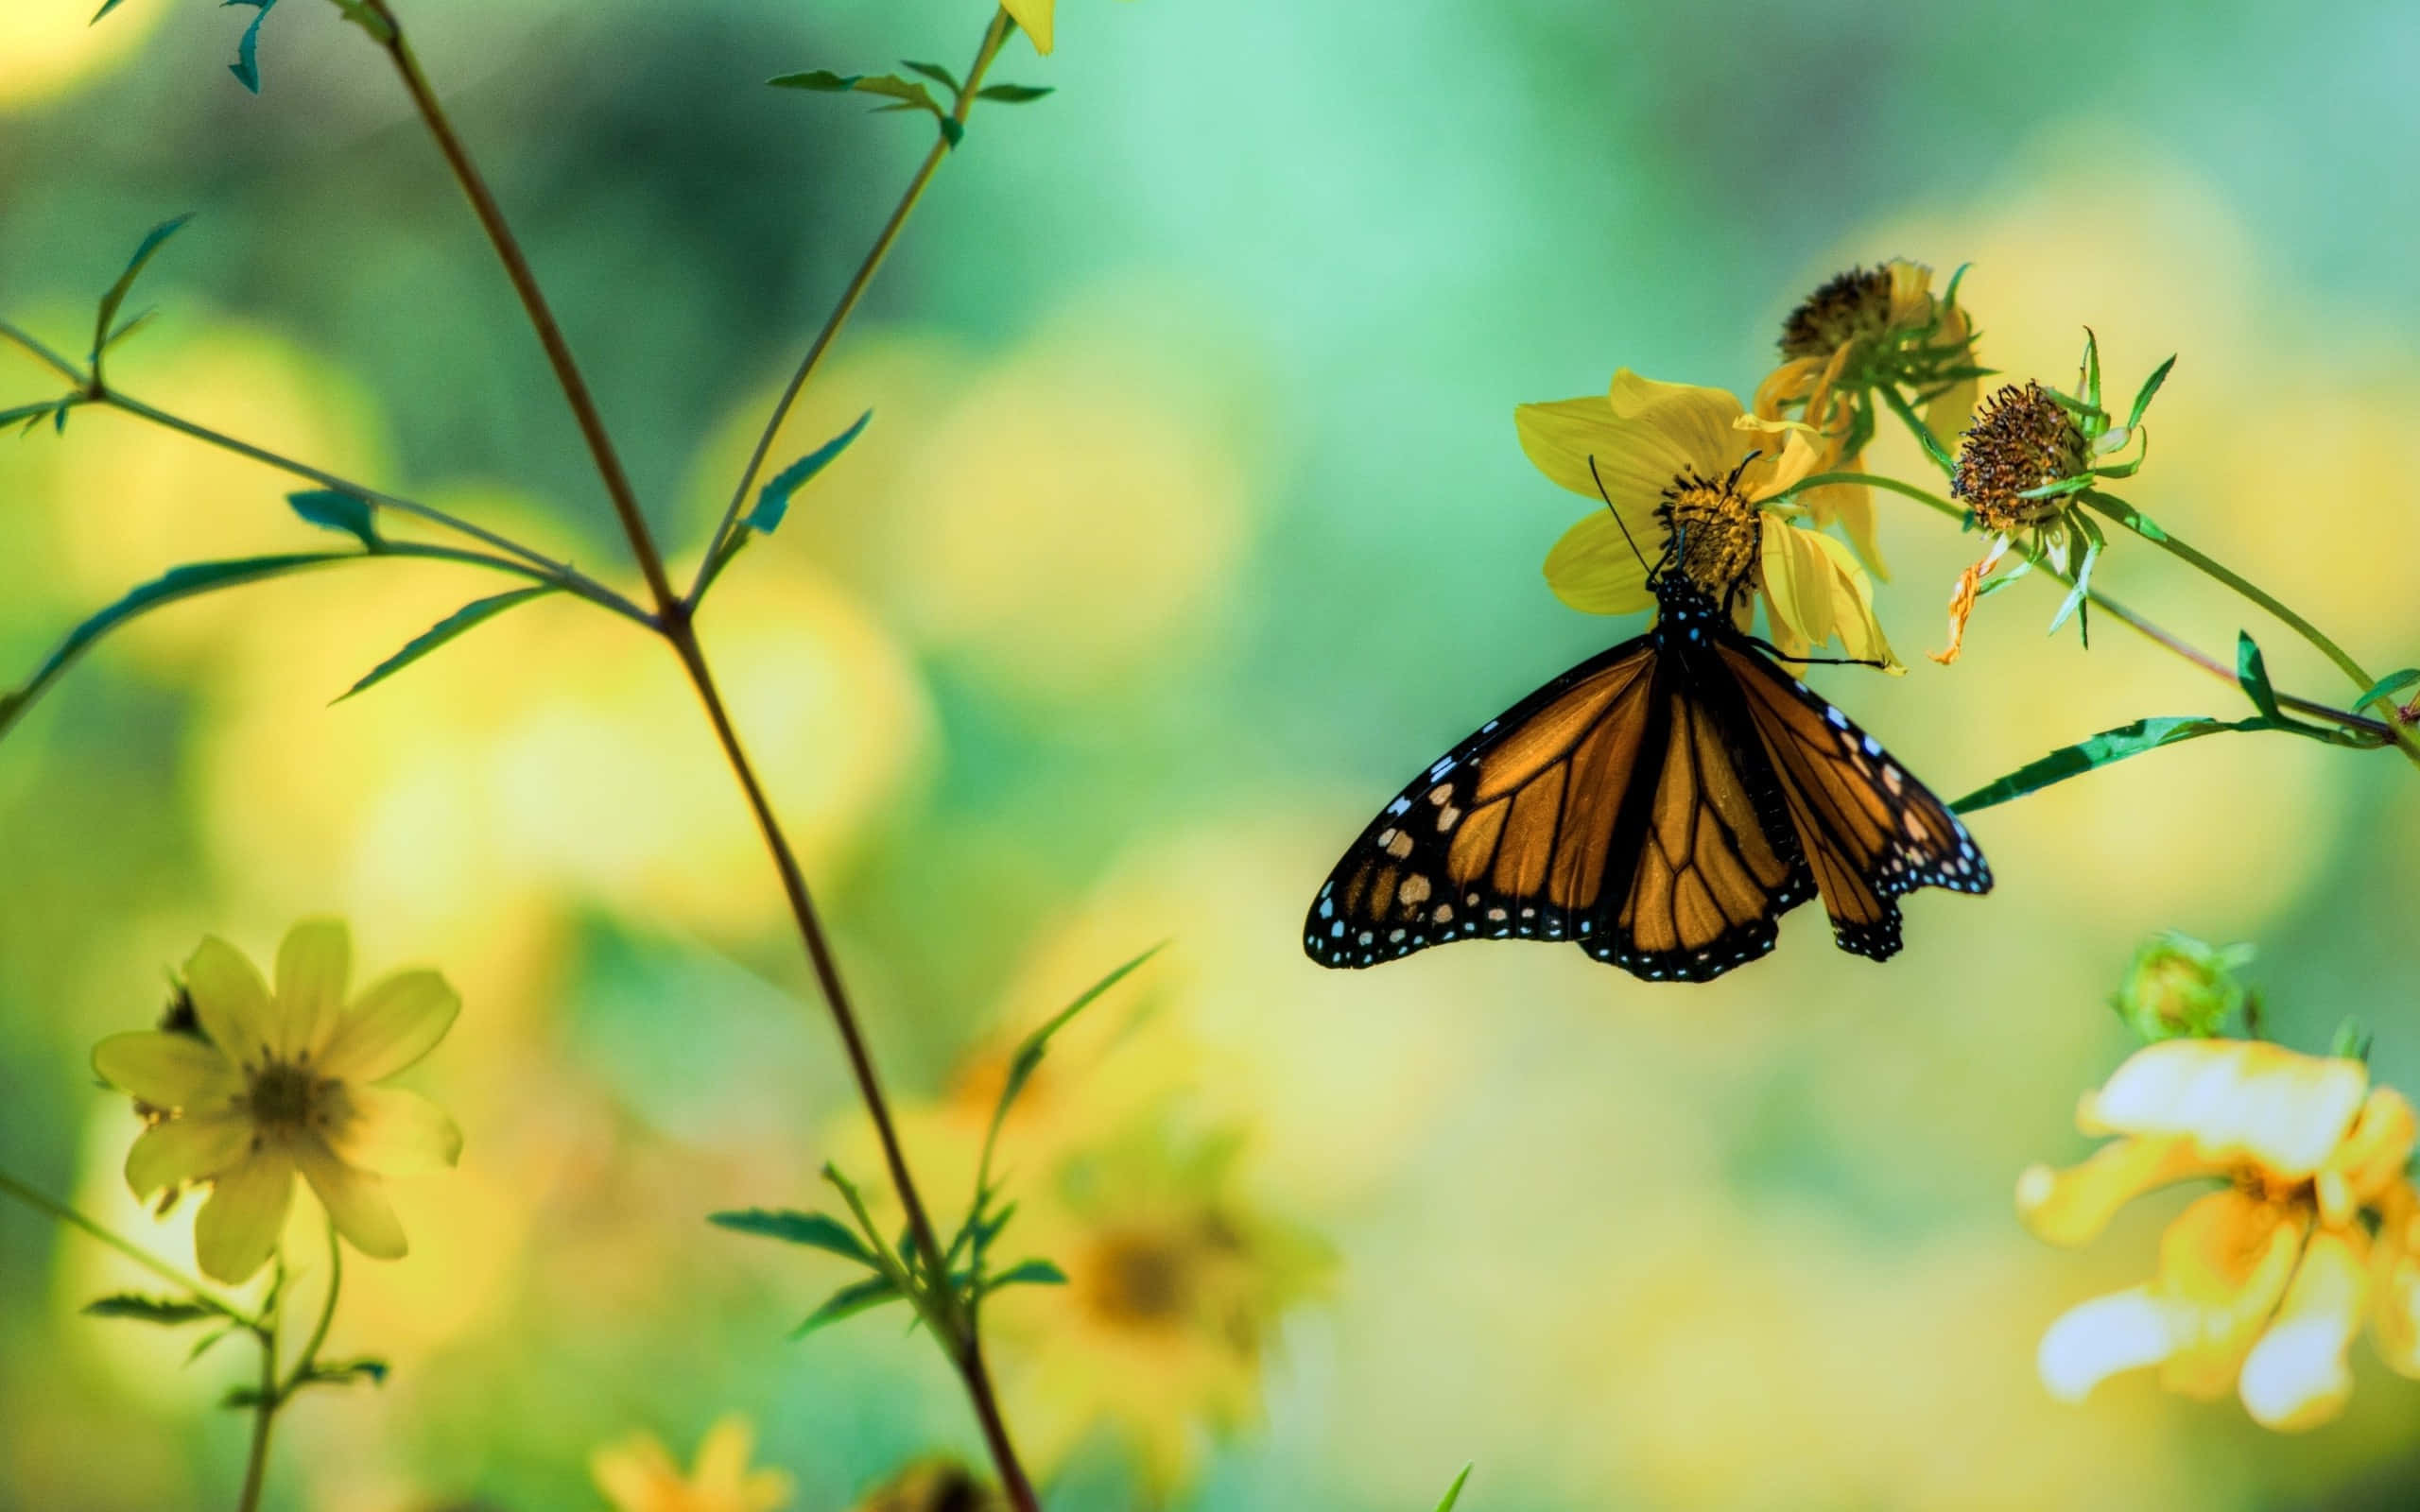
{"points": [[1617, 515]]}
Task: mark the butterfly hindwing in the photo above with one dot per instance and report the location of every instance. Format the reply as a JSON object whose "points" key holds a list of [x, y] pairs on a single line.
{"points": [[1505, 836], [1870, 831]]}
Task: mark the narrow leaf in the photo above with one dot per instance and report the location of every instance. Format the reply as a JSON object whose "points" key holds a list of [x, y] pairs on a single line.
{"points": [[207, 1343], [1027, 1273], [1454, 1492], [33, 414], [773, 499], [189, 581], [107, 5], [148, 249], [1011, 94], [332, 510], [821, 79], [2252, 672], [240, 1398], [246, 66], [471, 615], [2100, 750], [848, 1302], [2077, 593], [932, 71], [813, 1230], [128, 329], [2143, 395], [1030, 1050], [345, 1372], [2386, 687], [159, 1309], [2125, 514]]}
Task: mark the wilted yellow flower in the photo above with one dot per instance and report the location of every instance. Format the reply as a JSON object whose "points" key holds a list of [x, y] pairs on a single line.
{"points": [[637, 1476], [2261, 1285], [1862, 330], [284, 1082], [1673, 457], [1176, 1284]]}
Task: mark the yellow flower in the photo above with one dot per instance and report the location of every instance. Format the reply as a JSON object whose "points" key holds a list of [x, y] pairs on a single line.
{"points": [[1035, 17], [1176, 1284], [1862, 330], [2262, 1284], [933, 1485], [1675, 458], [286, 1082], [637, 1476]]}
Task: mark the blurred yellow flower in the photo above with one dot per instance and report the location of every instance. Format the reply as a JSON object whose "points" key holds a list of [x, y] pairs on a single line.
{"points": [[1176, 1284], [637, 1476], [1863, 328], [2263, 1284], [277, 1083], [1676, 459], [47, 50], [933, 1485]]}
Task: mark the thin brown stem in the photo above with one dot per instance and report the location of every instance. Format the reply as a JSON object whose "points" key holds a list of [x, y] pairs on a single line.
{"points": [[533, 300], [992, 36]]}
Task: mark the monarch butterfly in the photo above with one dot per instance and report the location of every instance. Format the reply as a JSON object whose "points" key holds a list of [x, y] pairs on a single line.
{"points": [[1662, 804]]}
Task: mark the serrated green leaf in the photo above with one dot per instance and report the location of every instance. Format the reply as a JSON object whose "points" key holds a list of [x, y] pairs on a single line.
{"points": [[469, 617], [2386, 687], [1454, 1492], [848, 1302], [163, 1310], [773, 499], [189, 581], [148, 249], [2098, 750], [332, 510], [934, 72], [1011, 93], [813, 1230], [246, 66], [2143, 395]]}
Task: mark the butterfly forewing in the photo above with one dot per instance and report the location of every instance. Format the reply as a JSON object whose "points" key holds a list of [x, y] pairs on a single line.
{"points": [[1505, 836]]}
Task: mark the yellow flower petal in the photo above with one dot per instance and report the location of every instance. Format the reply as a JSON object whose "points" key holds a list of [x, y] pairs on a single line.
{"points": [[1035, 17], [232, 1000], [396, 1021], [191, 1148], [2295, 1377], [1816, 590], [238, 1227], [2394, 1320], [1851, 505], [2104, 1337], [2071, 1207], [2234, 1098], [2224, 1261], [1786, 385], [312, 964], [168, 1071], [395, 1132], [2371, 1160], [636, 1476], [356, 1200], [1911, 292], [1694, 421], [1595, 571], [1562, 438]]}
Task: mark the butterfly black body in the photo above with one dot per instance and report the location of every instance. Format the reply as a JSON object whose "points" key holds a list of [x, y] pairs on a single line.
{"points": [[1662, 805]]}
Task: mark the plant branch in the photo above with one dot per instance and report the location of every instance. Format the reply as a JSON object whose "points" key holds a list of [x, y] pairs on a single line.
{"points": [[310, 1355], [66, 369], [992, 36], [265, 1408], [542, 318], [52, 1208]]}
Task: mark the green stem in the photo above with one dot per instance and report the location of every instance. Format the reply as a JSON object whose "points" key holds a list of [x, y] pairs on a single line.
{"points": [[992, 36], [1874, 480], [66, 369], [1926, 440], [52, 1208], [265, 1409], [310, 1355]]}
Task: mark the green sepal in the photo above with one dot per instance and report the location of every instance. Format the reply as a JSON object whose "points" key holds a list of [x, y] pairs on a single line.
{"points": [[2125, 514], [816, 1231], [478, 611], [2091, 381], [2143, 395], [2352, 1039]]}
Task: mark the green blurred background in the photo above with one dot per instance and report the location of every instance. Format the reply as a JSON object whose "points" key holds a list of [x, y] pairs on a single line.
{"points": [[1190, 524]]}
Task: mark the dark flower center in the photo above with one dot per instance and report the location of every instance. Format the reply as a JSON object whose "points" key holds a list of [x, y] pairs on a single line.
{"points": [[1718, 532], [2021, 440], [287, 1098], [1850, 306]]}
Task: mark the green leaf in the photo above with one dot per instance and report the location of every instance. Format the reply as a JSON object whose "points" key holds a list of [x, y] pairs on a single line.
{"points": [[107, 5], [163, 1311], [332, 510], [821, 80], [2098, 750], [773, 499], [1027, 1273], [813, 1230], [241, 1399], [2386, 687], [2143, 395], [208, 1342], [478, 611], [345, 1372], [1454, 1492], [2351, 1041], [1011, 93], [906, 91], [127, 328], [246, 66], [2091, 368], [953, 129], [189, 581], [34, 415], [1031, 1049], [2252, 672], [934, 72], [848, 1302], [2125, 514], [150, 247], [2076, 593]]}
